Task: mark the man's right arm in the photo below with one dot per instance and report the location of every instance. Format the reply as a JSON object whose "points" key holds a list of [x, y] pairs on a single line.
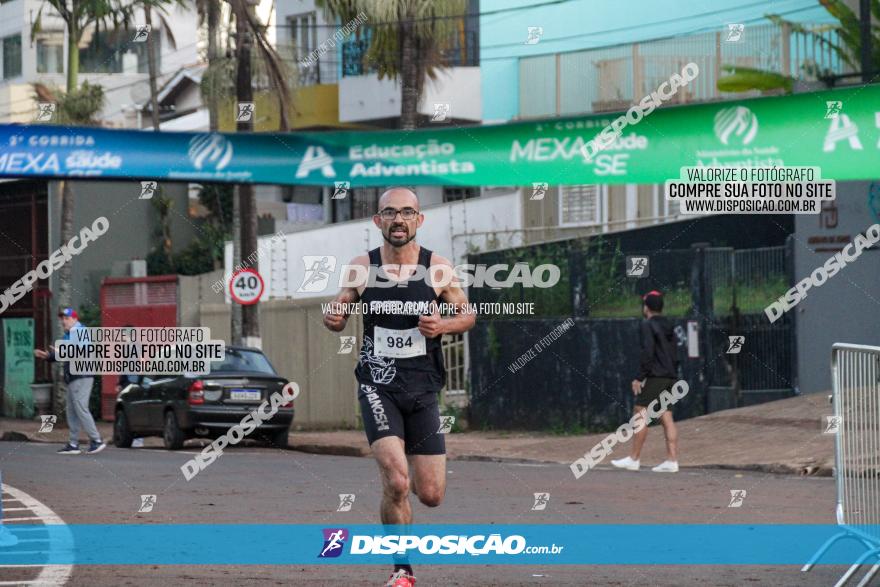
{"points": [[336, 317]]}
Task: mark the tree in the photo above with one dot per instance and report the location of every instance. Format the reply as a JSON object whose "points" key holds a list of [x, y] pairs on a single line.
{"points": [[407, 43], [209, 16], [79, 107], [78, 16]]}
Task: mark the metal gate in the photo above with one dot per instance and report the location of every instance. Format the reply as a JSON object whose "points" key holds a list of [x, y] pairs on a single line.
{"points": [[855, 377], [760, 366]]}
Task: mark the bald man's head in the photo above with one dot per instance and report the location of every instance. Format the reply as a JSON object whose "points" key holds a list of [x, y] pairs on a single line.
{"points": [[398, 198], [398, 230]]}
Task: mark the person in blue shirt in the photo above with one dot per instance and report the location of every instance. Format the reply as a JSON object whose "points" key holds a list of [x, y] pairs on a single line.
{"points": [[79, 390]]}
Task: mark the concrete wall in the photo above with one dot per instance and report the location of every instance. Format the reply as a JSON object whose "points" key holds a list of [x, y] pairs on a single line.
{"points": [[452, 230], [845, 308], [366, 97], [132, 222], [302, 350]]}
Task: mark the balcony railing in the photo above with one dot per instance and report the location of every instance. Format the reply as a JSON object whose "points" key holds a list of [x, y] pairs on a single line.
{"points": [[613, 78], [461, 49]]}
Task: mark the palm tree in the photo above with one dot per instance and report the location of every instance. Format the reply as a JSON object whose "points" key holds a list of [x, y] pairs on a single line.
{"points": [[408, 41]]}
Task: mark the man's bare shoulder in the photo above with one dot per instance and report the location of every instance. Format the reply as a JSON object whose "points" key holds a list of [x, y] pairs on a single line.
{"points": [[440, 260], [362, 260]]}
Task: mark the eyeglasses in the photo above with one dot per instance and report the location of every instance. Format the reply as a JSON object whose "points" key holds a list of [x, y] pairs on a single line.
{"points": [[391, 213]]}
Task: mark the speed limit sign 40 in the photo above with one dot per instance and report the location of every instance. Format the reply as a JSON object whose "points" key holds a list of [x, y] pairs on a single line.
{"points": [[246, 287]]}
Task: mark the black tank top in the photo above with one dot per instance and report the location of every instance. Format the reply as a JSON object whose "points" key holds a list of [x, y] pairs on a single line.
{"points": [[411, 374]]}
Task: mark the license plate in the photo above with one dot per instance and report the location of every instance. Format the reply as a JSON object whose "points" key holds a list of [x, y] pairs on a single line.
{"points": [[245, 394]]}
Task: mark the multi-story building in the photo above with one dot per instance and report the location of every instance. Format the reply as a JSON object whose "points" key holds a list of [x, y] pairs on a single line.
{"points": [[108, 57], [339, 88]]}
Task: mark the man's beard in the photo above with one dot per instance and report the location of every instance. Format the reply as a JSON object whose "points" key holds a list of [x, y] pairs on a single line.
{"points": [[387, 237]]}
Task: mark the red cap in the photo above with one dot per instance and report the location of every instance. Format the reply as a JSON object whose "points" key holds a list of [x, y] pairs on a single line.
{"points": [[69, 312]]}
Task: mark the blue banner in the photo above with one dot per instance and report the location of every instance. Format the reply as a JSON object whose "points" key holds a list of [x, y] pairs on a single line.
{"points": [[271, 544]]}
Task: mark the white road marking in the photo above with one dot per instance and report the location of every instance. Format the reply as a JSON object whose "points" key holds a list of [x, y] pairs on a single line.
{"points": [[50, 574]]}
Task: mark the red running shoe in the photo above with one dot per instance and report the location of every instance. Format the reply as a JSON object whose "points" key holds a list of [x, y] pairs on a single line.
{"points": [[401, 579]]}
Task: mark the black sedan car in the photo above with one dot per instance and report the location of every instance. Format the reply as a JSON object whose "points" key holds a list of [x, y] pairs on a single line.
{"points": [[178, 407]]}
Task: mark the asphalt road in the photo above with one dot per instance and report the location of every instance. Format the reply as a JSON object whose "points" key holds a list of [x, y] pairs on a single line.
{"points": [[251, 484]]}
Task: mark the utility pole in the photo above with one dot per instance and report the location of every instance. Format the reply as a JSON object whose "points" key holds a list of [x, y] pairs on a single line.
{"points": [[151, 66], [865, 30], [250, 317]]}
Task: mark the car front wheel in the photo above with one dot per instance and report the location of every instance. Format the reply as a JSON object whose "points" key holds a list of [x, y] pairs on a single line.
{"points": [[172, 434]]}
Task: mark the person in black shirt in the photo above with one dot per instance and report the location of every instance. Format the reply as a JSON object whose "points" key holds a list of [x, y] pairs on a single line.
{"points": [[400, 369], [658, 370]]}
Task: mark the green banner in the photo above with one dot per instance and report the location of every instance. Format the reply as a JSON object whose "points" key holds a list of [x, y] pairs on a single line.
{"points": [[18, 367], [838, 131]]}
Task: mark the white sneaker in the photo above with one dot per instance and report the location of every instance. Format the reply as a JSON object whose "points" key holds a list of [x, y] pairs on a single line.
{"points": [[627, 463], [666, 467]]}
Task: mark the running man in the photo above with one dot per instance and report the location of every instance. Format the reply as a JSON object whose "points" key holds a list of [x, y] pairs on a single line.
{"points": [[400, 370], [658, 370]]}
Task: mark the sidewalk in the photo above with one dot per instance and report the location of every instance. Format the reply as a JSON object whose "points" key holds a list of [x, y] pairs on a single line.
{"points": [[783, 437]]}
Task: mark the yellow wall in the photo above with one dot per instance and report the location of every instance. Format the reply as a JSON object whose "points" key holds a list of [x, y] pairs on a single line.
{"points": [[312, 106]]}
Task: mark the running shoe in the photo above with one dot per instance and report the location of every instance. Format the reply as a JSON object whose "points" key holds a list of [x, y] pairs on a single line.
{"points": [[70, 449], [627, 463], [401, 579], [666, 467], [96, 447]]}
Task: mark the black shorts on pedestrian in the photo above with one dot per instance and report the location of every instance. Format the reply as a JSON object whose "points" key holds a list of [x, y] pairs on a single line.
{"points": [[652, 389], [412, 416]]}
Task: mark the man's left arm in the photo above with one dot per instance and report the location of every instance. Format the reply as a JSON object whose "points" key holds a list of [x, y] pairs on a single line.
{"points": [[452, 294]]}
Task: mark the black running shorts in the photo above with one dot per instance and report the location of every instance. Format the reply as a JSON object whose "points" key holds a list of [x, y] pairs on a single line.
{"points": [[652, 389], [414, 417]]}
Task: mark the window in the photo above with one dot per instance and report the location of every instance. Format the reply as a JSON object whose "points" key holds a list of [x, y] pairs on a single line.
{"points": [[454, 194], [359, 203], [237, 360], [11, 56], [580, 204], [452, 347], [302, 194], [303, 41], [50, 52], [305, 204], [111, 51]]}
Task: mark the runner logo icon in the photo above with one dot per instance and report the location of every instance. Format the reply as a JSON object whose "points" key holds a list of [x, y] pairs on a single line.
{"points": [[334, 541], [318, 269]]}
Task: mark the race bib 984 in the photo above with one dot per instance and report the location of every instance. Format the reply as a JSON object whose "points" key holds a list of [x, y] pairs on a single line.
{"points": [[400, 344]]}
